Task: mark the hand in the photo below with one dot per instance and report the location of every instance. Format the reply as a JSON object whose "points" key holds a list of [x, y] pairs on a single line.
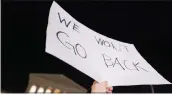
{"points": [[101, 87]]}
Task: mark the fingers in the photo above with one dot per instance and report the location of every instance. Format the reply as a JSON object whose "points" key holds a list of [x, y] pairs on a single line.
{"points": [[109, 89], [101, 87]]}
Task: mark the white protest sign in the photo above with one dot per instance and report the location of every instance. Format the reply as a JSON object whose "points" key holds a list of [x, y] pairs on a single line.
{"points": [[100, 57]]}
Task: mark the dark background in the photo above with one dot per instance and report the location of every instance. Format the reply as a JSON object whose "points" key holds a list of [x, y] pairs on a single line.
{"points": [[145, 24]]}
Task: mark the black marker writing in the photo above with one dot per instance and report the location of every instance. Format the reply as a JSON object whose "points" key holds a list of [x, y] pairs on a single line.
{"points": [[60, 32], [109, 62], [117, 47], [117, 62], [136, 66], [63, 20], [75, 27], [127, 66], [77, 48], [85, 54], [67, 24], [72, 47]]}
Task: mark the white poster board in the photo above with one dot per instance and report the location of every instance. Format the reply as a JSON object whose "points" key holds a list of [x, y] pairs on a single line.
{"points": [[100, 57]]}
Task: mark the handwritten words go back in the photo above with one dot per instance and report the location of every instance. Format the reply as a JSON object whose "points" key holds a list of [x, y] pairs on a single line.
{"points": [[96, 55]]}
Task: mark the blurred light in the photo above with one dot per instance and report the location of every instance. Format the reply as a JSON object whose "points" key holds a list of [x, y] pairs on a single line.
{"points": [[48, 90], [40, 90], [33, 89], [56, 91]]}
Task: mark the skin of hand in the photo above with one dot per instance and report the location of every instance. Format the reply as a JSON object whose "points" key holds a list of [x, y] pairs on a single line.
{"points": [[101, 87]]}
